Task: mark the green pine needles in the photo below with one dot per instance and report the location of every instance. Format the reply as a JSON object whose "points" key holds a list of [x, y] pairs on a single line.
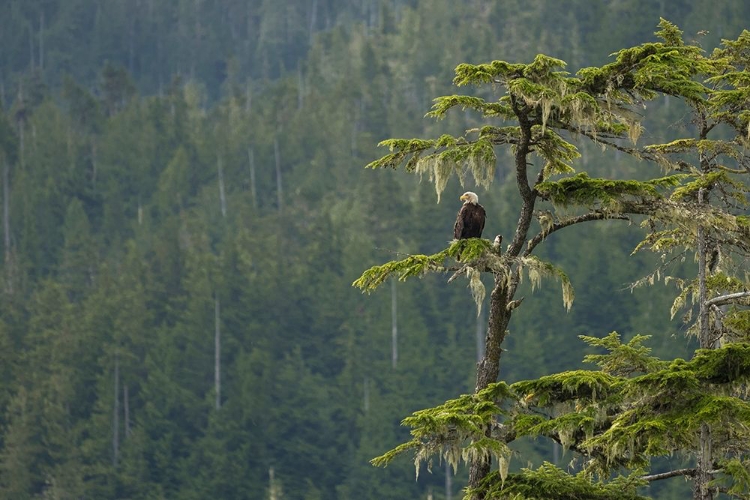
{"points": [[454, 431], [551, 482], [634, 406], [476, 256], [581, 190], [618, 418], [468, 250]]}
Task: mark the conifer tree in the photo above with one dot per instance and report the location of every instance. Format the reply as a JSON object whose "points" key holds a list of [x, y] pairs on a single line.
{"points": [[705, 217], [635, 406], [8, 157]]}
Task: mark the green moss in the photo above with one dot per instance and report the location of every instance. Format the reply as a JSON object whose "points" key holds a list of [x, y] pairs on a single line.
{"points": [[455, 430], [414, 265], [622, 359], [735, 477], [669, 33], [470, 74], [676, 378], [538, 269], [584, 385], [738, 322], [582, 190], [729, 364], [549, 482], [442, 105], [705, 181]]}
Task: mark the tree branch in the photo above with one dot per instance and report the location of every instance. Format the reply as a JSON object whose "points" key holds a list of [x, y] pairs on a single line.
{"points": [[599, 139], [725, 299], [528, 195], [689, 472], [673, 473], [533, 242]]}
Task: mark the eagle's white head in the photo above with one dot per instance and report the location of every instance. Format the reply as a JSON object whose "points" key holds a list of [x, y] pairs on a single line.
{"points": [[469, 197]]}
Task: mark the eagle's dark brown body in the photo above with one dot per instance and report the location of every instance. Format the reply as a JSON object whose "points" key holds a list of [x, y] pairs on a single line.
{"points": [[470, 221]]}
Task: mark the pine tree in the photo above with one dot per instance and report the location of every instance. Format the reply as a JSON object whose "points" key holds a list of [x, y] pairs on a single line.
{"points": [[705, 217], [636, 406], [8, 157]]}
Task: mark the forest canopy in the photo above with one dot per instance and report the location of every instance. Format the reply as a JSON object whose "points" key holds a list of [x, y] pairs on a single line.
{"points": [[185, 207]]}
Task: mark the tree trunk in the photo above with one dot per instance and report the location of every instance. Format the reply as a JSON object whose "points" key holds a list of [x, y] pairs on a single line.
{"points": [[279, 188], [197, 40], [31, 46], [222, 196], [701, 491], [126, 410], [366, 394], [504, 289], [274, 490], [394, 325], [21, 126], [312, 22], [116, 413], [703, 317], [93, 165], [300, 87], [480, 334], [6, 227], [488, 368], [217, 350], [248, 96], [251, 160], [41, 40], [131, 42], [448, 481]]}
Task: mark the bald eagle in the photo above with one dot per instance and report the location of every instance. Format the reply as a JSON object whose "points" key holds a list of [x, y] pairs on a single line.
{"points": [[470, 219]]}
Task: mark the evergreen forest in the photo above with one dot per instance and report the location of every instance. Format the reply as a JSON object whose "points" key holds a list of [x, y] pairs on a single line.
{"points": [[185, 207]]}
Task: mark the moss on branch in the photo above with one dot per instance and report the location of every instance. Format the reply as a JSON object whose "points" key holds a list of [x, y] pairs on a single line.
{"points": [[455, 430], [538, 269], [551, 482], [582, 190], [418, 265], [586, 385]]}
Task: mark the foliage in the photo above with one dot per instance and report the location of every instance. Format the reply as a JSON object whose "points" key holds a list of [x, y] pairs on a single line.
{"points": [[636, 407], [455, 431], [418, 265], [613, 421], [603, 194], [160, 159], [551, 482]]}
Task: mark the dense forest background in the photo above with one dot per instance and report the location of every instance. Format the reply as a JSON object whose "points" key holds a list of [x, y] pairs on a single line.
{"points": [[181, 176]]}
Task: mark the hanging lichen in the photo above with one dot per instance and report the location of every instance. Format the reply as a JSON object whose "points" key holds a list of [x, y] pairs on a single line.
{"points": [[538, 269], [476, 286]]}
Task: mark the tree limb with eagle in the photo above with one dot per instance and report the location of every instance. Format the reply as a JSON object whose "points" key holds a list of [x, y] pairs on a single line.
{"points": [[547, 109]]}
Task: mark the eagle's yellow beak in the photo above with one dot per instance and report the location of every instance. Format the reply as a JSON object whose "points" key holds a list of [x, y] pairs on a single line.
{"points": [[463, 197]]}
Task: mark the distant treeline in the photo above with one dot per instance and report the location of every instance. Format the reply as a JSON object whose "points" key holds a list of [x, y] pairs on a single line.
{"points": [[184, 211]]}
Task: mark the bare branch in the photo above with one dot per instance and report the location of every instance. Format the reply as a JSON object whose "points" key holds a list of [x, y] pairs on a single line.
{"points": [[533, 242], [673, 473], [458, 271], [732, 170], [726, 299], [599, 139]]}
